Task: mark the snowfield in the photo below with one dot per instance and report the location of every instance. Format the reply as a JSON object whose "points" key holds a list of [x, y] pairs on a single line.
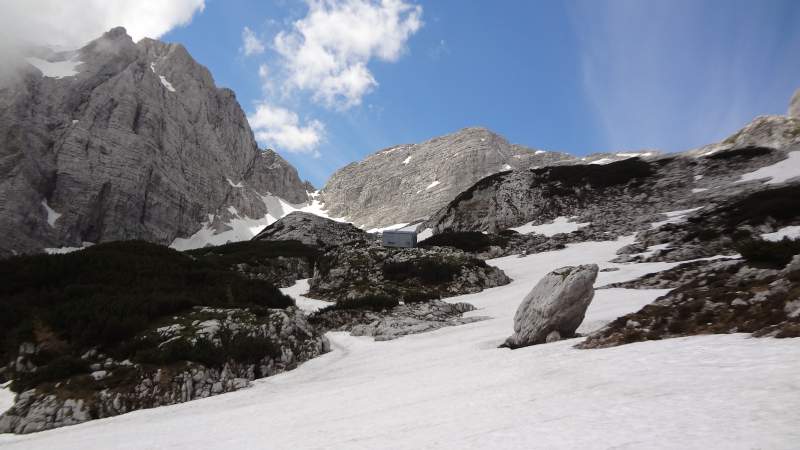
{"points": [[453, 388], [558, 225]]}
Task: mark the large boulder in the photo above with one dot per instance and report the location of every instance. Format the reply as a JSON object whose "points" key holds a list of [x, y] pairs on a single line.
{"points": [[555, 307]]}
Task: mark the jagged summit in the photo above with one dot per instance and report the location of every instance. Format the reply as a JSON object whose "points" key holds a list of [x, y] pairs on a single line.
{"points": [[123, 140]]}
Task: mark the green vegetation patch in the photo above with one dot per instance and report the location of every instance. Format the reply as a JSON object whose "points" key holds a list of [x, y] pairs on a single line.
{"points": [[107, 294], [468, 241]]}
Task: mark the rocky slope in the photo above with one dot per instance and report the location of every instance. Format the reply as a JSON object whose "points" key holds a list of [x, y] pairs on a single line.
{"points": [[730, 296], [411, 183], [620, 196], [123, 140]]}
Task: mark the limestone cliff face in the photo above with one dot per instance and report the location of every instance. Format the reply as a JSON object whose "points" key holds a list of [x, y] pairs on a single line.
{"points": [[135, 141]]}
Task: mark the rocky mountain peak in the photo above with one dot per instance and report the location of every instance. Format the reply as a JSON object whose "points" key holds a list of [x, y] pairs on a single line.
{"points": [[409, 182], [124, 140]]}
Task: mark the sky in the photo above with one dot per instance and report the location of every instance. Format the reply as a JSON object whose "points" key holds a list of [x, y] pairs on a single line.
{"points": [[327, 82]]}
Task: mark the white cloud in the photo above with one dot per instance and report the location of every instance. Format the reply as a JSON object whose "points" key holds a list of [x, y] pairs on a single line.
{"points": [[73, 23], [251, 44], [279, 127], [328, 50]]}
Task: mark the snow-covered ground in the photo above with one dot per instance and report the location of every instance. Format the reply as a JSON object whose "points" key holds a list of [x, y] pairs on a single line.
{"points": [[453, 388], [297, 290], [675, 216], [792, 232], [777, 173], [558, 225], [6, 397]]}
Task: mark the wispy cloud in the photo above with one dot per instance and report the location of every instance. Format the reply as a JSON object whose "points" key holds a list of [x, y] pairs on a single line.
{"points": [[251, 44]]}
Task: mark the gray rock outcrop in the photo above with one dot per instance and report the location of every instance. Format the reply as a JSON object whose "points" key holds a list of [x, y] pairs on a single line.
{"points": [[312, 230], [410, 274], [139, 143], [555, 307], [401, 320]]}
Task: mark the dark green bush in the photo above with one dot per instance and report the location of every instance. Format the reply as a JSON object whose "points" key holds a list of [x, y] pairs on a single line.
{"points": [[106, 294], [428, 270], [741, 153], [597, 175], [58, 369], [468, 241], [768, 253], [253, 252]]}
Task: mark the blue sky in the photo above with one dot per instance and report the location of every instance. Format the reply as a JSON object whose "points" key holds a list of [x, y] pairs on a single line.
{"points": [[579, 76]]}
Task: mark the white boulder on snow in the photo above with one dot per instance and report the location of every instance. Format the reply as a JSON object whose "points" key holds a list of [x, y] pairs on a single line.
{"points": [[555, 307]]}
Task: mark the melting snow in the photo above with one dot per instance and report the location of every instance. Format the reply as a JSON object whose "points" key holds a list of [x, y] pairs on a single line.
{"points": [[453, 388], [602, 161], [778, 172], [559, 225], [52, 215], [698, 190], [424, 234], [57, 69], [65, 250], [505, 167], [675, 216], [6, 397], [407, 160], [792, 232], [539, 152], [432, 185], [297, 290], [237, 185], [166, 83]]}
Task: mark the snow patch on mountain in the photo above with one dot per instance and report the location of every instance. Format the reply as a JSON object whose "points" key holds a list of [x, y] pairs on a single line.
{"points": [[558, 225], [166, 83], [52, 215], [432, 185], [675, 216], [777, 173], [791, 232]]}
